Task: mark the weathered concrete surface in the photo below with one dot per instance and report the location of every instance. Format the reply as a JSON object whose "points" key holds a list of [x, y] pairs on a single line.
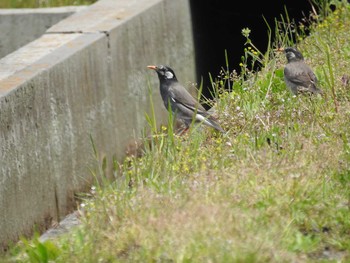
{"points": [[21, 26], [74, 82]]}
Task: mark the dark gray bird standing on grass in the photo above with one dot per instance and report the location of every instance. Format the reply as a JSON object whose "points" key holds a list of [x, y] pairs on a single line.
{"points": [[183, 105], [298, 76]]}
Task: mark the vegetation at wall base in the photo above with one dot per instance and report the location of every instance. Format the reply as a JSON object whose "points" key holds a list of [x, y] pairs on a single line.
{"points": [[274, 188], [42, 3]]}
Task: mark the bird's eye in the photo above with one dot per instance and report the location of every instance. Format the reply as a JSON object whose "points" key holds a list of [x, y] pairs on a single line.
{"points": [[169, 75]]}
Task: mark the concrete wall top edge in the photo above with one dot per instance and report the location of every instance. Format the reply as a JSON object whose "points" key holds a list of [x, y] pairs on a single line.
{"points": [[34, 51], [22, 65], [102, 16]]}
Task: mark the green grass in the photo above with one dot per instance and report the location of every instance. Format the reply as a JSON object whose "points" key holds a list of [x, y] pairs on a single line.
{"points": [[275, 188], [42, 3]]}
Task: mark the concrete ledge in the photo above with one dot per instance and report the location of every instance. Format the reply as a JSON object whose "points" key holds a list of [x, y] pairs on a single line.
{"points": [[74, 82], [21, 26]]}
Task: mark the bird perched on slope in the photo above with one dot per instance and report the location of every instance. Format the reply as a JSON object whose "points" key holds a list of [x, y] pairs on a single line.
{"points": [[298, 76], [183, 105]]}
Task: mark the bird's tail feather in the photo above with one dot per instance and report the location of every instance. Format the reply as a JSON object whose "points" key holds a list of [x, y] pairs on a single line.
{"points": [[215, 125]]}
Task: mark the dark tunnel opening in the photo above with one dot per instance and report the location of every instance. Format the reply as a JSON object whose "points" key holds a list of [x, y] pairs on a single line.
{"points": [[217, 29]]}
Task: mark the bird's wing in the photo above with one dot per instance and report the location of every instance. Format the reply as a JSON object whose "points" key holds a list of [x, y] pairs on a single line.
{"points": [[180, 95], [300, 74], [189, 113], [189, 107], [312, 76]]}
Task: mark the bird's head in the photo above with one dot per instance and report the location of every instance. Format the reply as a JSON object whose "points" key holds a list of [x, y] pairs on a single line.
{"points": [[293, 54], [164, 72]]}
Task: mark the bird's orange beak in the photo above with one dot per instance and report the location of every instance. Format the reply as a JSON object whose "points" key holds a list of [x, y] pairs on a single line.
{"points": [[152, 67], [280, 49]]}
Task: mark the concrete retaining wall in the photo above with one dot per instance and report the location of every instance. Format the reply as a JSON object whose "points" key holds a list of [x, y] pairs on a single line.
{"points": [[86, 76], [21, 26]]}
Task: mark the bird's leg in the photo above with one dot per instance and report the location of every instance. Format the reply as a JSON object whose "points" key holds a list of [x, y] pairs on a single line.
{"points": [[184, 131]]}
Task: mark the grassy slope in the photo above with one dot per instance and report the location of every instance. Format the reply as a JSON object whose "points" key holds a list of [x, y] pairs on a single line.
{"points": [[276, 188], [42, 3]]}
